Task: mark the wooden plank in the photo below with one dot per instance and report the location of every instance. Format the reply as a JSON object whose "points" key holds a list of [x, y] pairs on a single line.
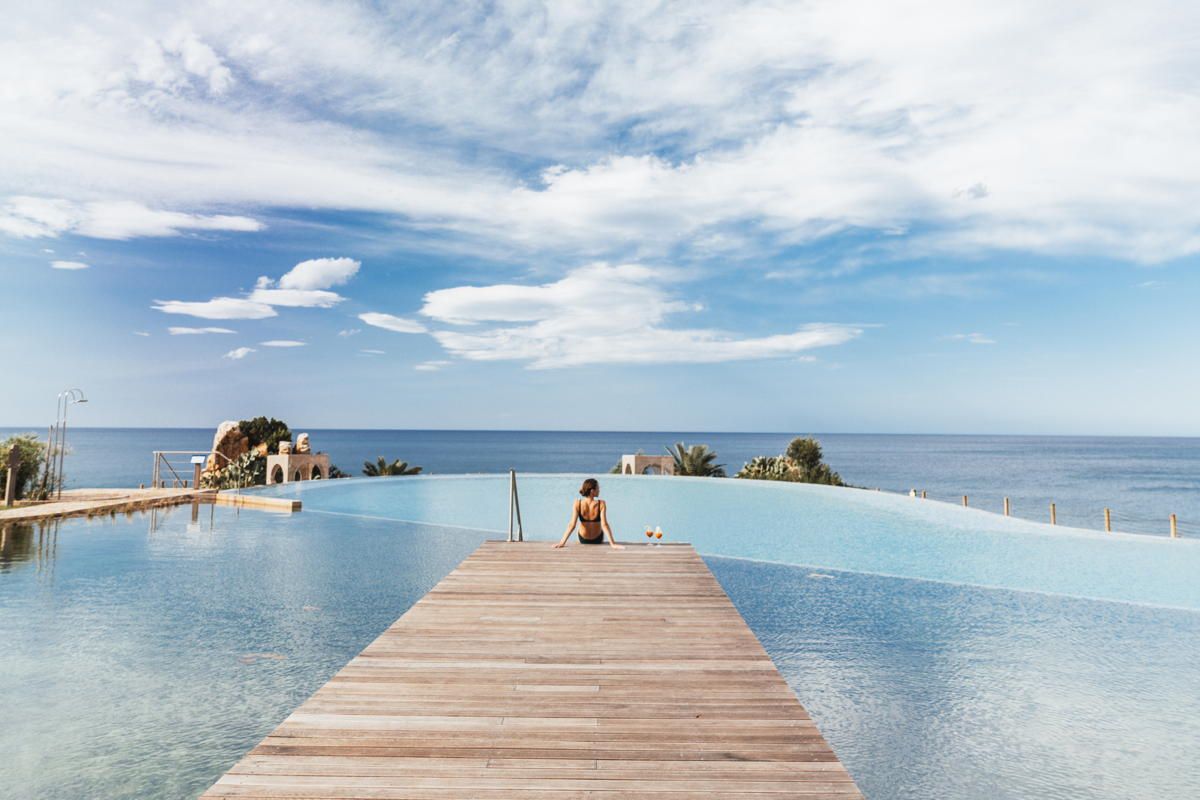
{"points": [[551, 674]]}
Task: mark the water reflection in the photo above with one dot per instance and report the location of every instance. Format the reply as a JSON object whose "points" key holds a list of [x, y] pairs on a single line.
{"points": [[33, 543]]}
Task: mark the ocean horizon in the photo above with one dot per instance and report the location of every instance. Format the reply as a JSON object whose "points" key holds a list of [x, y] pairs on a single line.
{"points": [[1141, 479]]}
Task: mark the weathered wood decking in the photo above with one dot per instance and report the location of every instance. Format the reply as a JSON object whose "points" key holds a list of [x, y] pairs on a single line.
{"points": [[551, 674]]}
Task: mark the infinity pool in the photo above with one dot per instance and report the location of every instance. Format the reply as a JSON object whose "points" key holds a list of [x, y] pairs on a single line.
{"points": [[848, 529], [143, 656]]}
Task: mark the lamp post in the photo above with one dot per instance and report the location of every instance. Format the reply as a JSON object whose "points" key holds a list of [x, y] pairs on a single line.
{"points": [[66, 399]]}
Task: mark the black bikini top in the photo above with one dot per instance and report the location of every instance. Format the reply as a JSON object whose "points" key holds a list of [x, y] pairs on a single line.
{"points": [[593, 519]]}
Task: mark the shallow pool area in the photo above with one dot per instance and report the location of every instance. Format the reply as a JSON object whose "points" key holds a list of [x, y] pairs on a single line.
{"points": [[145, 654]]}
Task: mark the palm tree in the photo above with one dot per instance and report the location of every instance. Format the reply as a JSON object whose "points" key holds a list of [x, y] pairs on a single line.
{"points": [[381, 468], [696, 460]]}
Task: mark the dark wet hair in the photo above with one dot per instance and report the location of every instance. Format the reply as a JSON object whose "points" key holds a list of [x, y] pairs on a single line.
{"points": [[589, 486]]}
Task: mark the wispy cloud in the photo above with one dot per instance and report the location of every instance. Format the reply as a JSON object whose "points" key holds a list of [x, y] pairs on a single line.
{"points": [[27, 217], [599, 314], [347, 332], [238, 353], [372, 352], [431, 366], [304, 286], [70, 265], [283, 343], [177, 331], [217, 308], [392, 323], [141, 333], [971, 338], [777, 123]]}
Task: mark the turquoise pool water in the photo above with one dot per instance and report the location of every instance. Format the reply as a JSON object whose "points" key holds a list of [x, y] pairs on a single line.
{"points": [[141, 660], [848, 529]]}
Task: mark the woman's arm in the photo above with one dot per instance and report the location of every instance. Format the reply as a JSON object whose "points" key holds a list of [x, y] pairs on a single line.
{"points": [[612, 540], [570, 526]]}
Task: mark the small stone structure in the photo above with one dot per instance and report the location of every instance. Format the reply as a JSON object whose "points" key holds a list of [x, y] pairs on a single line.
{"points": [[641, 464], [297, 463]]}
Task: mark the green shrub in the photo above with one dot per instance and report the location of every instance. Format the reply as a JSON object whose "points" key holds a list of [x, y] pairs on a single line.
{"points": [[261, 430], [248, 469], [32, 483], [801, 464]]}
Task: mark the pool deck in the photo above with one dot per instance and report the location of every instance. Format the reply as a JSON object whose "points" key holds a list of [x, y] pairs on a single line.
{"points": [[530, 672], [92, 502]]}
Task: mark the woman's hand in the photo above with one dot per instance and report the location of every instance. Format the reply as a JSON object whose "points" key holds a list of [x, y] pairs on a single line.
{"points": [[618, 547], [559, 545]]}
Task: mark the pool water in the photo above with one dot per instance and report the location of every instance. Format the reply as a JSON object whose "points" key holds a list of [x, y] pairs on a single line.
{"points": [[144, 655], [848, 529]]}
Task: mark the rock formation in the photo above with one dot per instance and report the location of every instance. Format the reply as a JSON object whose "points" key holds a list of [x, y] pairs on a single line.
{"points": [[285, 447], [302, 445], [230, 442]]}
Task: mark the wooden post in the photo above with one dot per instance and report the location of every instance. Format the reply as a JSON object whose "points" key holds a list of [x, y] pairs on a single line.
{"points": [[1007, 508], [1174, 527], [10, 486], [964, 501], [1108, 520], [1053, 515]]}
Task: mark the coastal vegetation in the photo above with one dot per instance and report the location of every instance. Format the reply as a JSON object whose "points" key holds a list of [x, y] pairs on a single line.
{"points": [[697, 460], [802, 463], [265, 434], [33, 475], [381, 468]]}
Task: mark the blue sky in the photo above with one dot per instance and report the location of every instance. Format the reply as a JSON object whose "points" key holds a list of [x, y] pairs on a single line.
{"points": [[719, 216]]}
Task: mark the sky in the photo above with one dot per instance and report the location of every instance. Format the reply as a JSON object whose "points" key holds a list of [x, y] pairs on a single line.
{"points": [[967, 216]]}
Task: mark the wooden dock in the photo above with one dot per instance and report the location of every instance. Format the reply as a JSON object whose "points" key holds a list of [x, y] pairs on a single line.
{"points": [[530, 672]]}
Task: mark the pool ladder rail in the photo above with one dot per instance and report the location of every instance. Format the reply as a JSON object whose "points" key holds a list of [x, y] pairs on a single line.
{"points": [[514, 506]]}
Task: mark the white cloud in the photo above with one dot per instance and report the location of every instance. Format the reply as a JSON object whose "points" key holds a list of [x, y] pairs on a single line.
{"points": [[296, 298], [776, 123], [600, 314], [372, 352], [320, 273], [69, 265], [971, 338], [26, 217], [178, 331], [392, 323], [237, 354], [347, 332], [217, 308], [283, 343], [141, 333], [261, 301], [431, 366], [305, 285]]}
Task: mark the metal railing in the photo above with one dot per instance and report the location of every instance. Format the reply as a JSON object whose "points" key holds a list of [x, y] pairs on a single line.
{"points": [[157, 481], [514, 505], [1114, 521]]}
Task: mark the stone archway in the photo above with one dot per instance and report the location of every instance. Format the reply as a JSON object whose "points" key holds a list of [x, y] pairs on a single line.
{"points": [[297, 477], [315, 474], [276, 474], [651, 469], [628, 469]]}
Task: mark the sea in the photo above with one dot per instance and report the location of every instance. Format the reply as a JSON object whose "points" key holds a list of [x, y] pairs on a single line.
{"points": [[1142, 480]]}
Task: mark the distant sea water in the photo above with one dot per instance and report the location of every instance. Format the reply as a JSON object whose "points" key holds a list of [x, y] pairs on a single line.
{"points": [[1142, 480]]}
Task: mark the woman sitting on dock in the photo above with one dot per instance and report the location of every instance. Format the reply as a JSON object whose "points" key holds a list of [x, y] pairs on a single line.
{"points": [[591, 514]]}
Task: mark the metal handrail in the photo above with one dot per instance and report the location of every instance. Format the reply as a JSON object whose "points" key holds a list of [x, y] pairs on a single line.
{"points": [[514, 504], [160, 456]]}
